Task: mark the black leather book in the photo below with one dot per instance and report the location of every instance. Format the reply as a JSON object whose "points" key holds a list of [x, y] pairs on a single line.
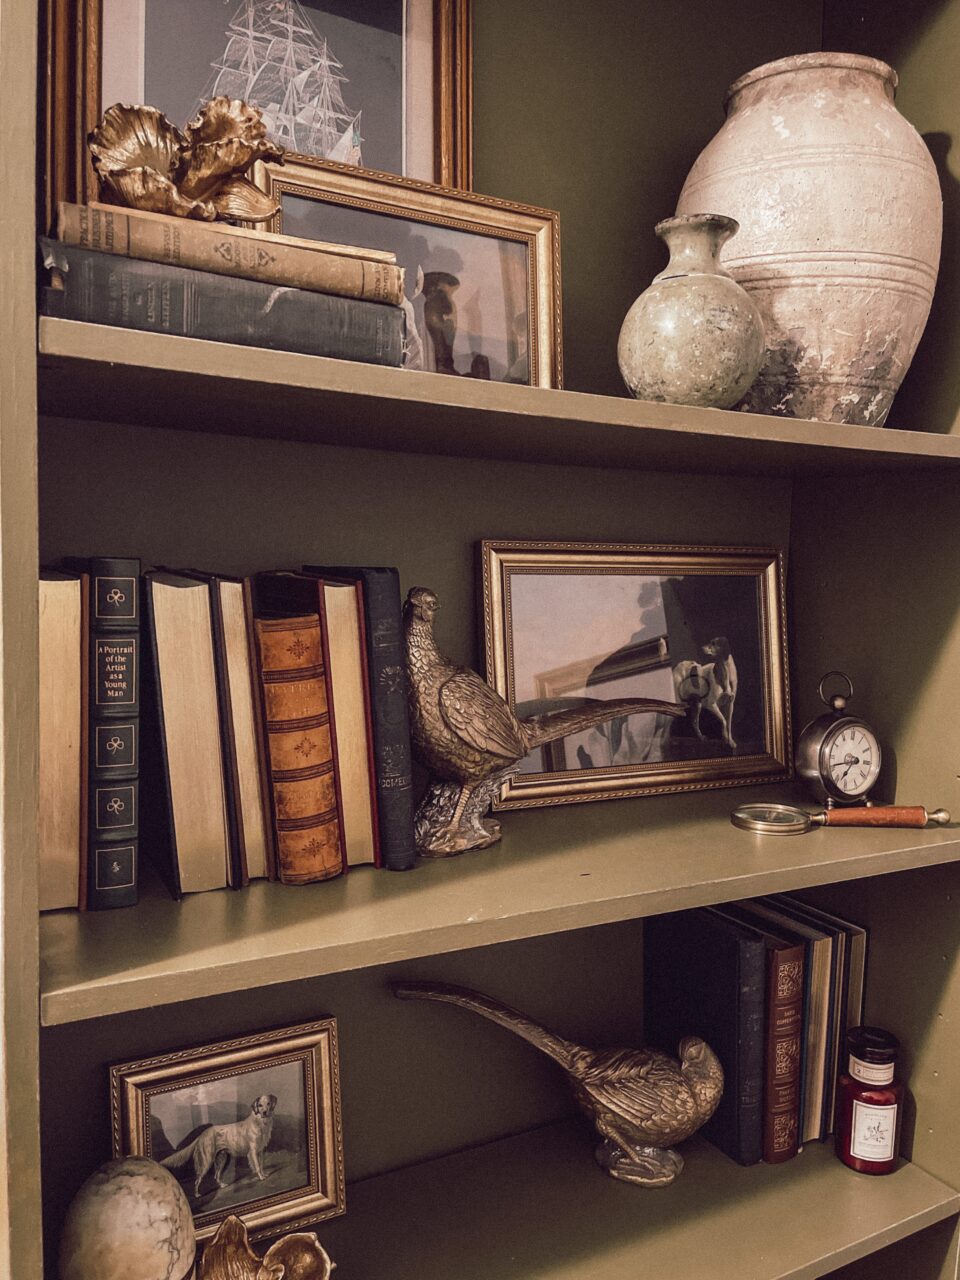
{"points": [[112, 730], [704, 976], [128, 293], [388, 697]]}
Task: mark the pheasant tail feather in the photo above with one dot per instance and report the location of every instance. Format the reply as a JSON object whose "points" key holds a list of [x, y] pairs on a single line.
{"points": [[539, 730]]}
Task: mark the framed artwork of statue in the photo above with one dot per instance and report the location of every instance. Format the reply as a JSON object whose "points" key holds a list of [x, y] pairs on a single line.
{"points": [[250, 1126], [702, 627], [383, 84], [482, 276]]}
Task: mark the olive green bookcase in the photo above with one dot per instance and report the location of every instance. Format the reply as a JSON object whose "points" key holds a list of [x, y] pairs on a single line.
{"points": [[464, 1157]]}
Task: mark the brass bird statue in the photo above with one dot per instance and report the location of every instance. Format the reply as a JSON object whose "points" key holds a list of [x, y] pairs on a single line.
{"points": [[469, 739], [640, 1101]]}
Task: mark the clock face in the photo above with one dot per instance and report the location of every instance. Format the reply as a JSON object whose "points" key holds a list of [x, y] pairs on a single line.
{"points": [[851, 760]]}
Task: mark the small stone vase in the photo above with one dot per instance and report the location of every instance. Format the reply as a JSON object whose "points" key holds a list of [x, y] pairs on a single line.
{"points": [[693, 337]]}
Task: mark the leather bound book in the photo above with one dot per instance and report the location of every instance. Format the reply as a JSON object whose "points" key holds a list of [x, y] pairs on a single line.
{"points": [[235, 664], [189, 833], [846, 1006], [62, 820], [306, 804], [705, 975], [388, 705], [783, 1037], [112, 729], [340, 609], [105, 289], [227, 250]]}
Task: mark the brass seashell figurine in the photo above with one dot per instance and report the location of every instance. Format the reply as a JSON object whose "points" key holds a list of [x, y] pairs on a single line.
{"points": [[143, 161], [641, 1101], [469, 739], [298, 1256]]}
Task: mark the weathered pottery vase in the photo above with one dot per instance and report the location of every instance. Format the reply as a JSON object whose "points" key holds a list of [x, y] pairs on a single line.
{"points": [[693, 337], [840, 222]]}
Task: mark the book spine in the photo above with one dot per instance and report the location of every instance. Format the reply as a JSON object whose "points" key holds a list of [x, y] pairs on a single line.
{"points": [[203, 246], [260, 729], [391, 723], [751, 1045], [237, 865], [299, 749], [113, 732], [781, 1104], [105, 289]]}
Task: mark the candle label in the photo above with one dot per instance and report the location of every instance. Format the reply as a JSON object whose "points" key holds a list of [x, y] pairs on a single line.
{"points": [[873, 1132], [871, 1072]]}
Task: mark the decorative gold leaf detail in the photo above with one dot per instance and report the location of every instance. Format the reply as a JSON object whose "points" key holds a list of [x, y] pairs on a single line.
{"points": [[239, 199]]}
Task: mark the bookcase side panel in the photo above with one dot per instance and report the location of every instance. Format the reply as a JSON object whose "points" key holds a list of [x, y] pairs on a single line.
{"points": [[19, 1154]]}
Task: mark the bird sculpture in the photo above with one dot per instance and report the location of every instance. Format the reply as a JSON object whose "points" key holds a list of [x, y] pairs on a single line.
{"points": [[640, 1101], [470, 740]]}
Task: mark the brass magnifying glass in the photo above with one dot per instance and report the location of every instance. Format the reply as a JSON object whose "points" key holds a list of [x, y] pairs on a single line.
{"points": [[790, 820]]}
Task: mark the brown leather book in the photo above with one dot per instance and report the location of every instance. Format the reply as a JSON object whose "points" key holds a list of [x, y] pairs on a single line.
{"points": [[783, 1035], [306, 806]]}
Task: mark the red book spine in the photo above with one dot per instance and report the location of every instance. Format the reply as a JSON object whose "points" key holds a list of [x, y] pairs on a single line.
{"points": [[784, 1034]]}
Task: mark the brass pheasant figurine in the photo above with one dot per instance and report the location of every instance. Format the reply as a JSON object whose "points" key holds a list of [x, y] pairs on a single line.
{"points": [[469, 739], [641, 1101]]}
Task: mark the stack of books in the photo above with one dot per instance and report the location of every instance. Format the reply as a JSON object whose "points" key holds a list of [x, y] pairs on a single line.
{"points": [[149, 271], [250, 728], [772, 985]]}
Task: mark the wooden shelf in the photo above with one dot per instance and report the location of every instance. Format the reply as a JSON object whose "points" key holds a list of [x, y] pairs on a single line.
{"points": [[97, 372], [556, 869], [537, 1206]]}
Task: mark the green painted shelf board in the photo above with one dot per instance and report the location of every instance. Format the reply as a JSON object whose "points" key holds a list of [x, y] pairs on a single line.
{"points": [[556, 869], [536, 1206], [98, 372]]}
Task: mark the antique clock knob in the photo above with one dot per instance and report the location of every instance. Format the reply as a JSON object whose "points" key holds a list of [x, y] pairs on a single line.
{"points": [[838, 755]]}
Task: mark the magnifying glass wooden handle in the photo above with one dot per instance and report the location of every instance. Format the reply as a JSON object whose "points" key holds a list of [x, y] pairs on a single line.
{"points": [[880, 816]]}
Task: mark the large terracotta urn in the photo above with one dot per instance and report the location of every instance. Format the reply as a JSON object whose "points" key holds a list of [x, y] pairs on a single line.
{"points": [[840, 222]]}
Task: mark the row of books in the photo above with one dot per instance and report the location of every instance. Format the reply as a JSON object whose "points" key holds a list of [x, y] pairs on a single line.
{"points": [[772, 985], [250, 728], [139, 270]]}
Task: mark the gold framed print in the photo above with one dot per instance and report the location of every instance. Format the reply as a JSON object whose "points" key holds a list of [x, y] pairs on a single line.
{"points": [[482, 276], [702, 627], [250, 1126], [382, 83]]}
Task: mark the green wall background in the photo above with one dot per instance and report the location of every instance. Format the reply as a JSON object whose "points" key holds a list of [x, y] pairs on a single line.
{"points": [[598, 111]]}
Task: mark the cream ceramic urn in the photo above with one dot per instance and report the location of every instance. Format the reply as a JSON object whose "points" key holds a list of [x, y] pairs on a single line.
{"points": [[840, 220]]}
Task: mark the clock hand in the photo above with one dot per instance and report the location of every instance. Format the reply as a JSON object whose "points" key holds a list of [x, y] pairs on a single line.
{"points": [[849, 760]]}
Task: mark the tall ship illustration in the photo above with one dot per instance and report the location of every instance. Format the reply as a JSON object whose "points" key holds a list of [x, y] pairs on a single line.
{"points": [[275, 59]]}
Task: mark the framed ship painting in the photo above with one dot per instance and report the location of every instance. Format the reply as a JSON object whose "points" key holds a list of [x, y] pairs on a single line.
{"points": [[699, 627], [482, 276], [383, 84]]}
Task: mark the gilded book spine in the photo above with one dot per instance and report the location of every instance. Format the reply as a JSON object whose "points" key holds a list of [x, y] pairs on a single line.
{"points": [[785, 979], [113, 731], [306, 807], [205, 246]]}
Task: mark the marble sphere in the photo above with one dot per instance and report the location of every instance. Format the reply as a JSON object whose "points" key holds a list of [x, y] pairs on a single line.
{"points": [[129, 1221]]}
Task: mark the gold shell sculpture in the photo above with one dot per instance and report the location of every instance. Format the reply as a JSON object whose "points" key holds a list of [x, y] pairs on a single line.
{"points": [[145, 162], [298, 1256]]}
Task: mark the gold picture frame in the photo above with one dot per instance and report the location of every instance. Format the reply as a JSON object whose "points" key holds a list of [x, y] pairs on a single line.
{"points": [[520, 246], [77, 46], [163, 1107], [700, 626]]}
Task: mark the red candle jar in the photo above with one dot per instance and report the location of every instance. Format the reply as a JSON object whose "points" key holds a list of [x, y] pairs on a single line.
{"points": [[869, 1102]]}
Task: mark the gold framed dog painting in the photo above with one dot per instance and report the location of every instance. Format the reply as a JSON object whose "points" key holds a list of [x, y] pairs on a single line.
{"points": [[698, 627], [249, 1126]]}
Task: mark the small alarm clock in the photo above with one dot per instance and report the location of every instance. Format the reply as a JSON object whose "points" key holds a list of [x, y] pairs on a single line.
{"points": [[838, 755]]}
